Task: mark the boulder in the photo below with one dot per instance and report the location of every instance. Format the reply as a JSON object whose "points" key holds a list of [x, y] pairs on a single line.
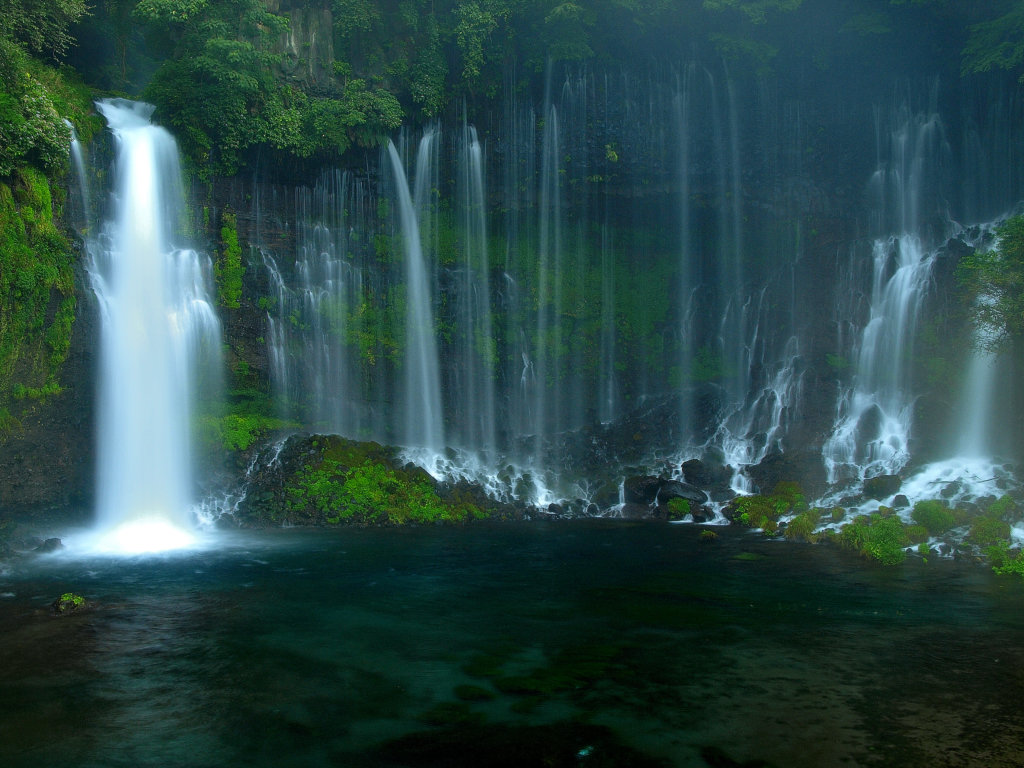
{"points": [[706, 474], [633, 511], [802, 466], [881, 487], [673, 489], [641, 489]]}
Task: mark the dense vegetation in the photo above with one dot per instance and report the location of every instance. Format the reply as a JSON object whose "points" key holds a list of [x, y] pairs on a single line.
{"points": [[37, 287], [232, 78]]}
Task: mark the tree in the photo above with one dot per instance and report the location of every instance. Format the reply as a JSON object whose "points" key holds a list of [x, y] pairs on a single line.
{"points": [[996, 44], [994, 280], [41, 25]]}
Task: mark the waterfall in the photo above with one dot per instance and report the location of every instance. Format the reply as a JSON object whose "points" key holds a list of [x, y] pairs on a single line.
{"points": [[82, 183], [423, 418], [159, 328], [475, 352], [872, 428]]}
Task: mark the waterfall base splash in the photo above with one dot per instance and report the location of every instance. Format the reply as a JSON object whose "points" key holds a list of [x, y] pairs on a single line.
{"points": [[144, 535]]}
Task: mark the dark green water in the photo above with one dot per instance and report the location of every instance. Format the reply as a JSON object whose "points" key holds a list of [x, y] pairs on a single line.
{"points": [[533, 645]]}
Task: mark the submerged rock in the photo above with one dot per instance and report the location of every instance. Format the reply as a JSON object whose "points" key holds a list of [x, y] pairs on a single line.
{"points": [[68, 603]]}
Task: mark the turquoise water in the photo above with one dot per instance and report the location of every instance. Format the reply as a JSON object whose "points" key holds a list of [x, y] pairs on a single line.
{"points": [[570, 644]]}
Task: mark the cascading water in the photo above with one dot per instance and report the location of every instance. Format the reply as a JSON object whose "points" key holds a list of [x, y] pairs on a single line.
{"points": [[159, 330], [474, 351], [872, 430], [423, 422]]}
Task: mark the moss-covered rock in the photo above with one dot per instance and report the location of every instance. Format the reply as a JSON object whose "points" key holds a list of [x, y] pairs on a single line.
{"points": [[879, 538], [329, 480], [68, 603], [933, 514]]}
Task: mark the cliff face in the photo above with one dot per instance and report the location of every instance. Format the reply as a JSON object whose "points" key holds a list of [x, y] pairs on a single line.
{"points": [[307, 47], [47, 458], [666, 257]]}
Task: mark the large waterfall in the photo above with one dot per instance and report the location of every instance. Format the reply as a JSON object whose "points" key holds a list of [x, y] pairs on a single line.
{"points": [[159, 329], [631, 270]]}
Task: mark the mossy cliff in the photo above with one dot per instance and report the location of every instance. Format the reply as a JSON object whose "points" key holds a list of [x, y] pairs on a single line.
{"points": [[45, 377]]}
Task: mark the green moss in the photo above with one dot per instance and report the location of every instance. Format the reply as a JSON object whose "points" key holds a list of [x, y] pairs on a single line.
{"points": [[762, 511], [987, 531], [1004, 560], [878, 538], [228, 269], [1002, 507], [917, 533], [351, 483], [678, 508], [934, 515], [37, 302], [801, 527]]}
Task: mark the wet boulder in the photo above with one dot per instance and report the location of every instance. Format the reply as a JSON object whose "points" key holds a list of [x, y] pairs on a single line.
{"points": [[706, 474], [673, 489], [881, 487], [633, 511], [641, 489], [804, 467]]}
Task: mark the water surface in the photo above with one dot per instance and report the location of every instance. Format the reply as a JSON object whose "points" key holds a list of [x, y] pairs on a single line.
{"points": [[589, 644]]}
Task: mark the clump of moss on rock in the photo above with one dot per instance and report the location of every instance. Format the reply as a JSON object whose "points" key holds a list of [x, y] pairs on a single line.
{"points": [[933, 514], [764, 511], [329, 480], [879, 538], [67, 603]]}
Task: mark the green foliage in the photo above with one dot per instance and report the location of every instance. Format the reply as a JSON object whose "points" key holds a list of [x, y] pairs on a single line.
{"points": [[1004, 560], [37, 302], [934, 515], [994, 281], [41, 25], [678, 508], [877, 538], [988, 531], [476, 21], [369, 493], [33, 103], [228, 269], [1002, 507], [761, 511], [801, 527], [224, 93], [996, 44], [756, 11]]}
